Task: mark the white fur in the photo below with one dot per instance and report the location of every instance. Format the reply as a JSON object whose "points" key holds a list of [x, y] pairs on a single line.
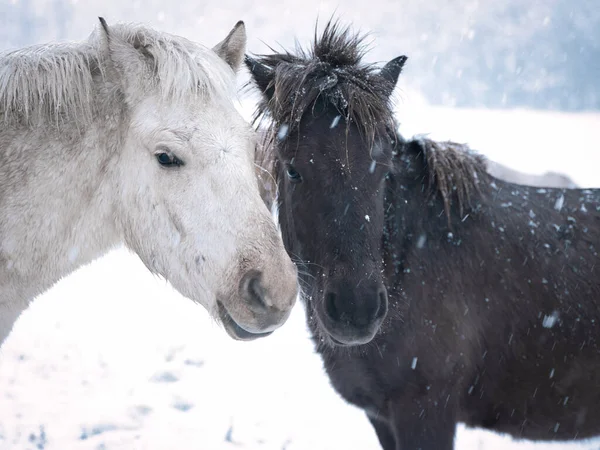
{"points": [[80, 126], [548, 179]]}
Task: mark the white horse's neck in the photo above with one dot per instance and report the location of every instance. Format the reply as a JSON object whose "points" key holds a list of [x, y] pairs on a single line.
{"points": [[56, 214]]}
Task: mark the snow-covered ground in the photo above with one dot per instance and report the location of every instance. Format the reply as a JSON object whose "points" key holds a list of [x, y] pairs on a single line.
{"points": [[113, 358]]}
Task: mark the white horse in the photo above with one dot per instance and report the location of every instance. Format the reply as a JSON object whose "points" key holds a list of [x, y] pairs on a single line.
{"points": [[548, 179], [132, 137]]}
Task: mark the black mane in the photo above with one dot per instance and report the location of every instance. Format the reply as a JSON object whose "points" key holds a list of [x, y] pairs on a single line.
{"points": [[450, 170]]}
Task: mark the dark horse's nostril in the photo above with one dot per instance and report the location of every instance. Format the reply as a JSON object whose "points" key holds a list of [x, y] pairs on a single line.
{"points": [[253, 289], [356, 309]]}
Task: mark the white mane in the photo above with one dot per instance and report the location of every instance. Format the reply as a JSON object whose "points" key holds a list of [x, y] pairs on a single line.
{"points": [[53, 82]]}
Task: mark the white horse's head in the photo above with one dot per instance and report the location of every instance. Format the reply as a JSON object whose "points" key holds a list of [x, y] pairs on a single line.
{"points": [[189, 197]]}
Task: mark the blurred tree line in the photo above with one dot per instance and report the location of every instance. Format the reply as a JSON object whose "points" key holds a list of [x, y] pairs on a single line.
{"points": [[540, 54], [471, 53]]}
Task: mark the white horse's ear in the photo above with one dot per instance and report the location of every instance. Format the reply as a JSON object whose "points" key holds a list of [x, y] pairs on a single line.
{"points": [[128, 60], [232, 48]]}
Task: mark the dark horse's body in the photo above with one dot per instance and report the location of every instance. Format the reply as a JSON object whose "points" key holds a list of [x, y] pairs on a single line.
{"points": [[491, 296], [496, 326]]}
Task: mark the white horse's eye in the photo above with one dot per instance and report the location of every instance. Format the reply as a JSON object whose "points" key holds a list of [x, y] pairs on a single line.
{"points": [[168, 160]]}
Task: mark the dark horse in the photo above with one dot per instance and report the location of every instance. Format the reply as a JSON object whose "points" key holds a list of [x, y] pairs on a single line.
{"points": [[493, 289]]}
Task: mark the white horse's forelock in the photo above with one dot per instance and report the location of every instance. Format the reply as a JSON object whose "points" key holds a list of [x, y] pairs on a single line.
{"points": [[53, 82]]}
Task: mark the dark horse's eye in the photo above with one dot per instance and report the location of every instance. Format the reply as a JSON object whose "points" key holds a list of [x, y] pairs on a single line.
{"points": [[168, 160], [293, 174]]}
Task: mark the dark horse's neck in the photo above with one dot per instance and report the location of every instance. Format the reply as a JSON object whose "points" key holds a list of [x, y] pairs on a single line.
{"points": [[434, 188]]}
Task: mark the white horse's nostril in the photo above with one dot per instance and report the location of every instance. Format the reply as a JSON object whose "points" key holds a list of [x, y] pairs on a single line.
{"points": [[253, 291]]}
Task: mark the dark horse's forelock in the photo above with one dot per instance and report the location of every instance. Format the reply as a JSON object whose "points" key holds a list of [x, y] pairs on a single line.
{"points": [[330, 71]]}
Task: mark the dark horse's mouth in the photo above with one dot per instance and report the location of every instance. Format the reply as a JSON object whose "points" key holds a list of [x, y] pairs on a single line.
{"points": [[351, 342], [233, 329], [338, 343]]}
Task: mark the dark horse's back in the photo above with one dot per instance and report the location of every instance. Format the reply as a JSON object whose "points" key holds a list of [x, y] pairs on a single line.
{"points": [[502, 302], [539, 319]]}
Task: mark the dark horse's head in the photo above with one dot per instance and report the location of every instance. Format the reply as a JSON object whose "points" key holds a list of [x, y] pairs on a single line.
{"points": [[332, 130]]}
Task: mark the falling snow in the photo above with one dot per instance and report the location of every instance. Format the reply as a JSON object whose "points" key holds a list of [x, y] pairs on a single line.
{"points": [[175, 239], [283, 132], [73, 254], [559, 202], [335, 121], [372, 166], [550, 321]]}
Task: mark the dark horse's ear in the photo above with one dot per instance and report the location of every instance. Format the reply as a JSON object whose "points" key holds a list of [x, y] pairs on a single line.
{"points": [[262, 76], [391, 71]]}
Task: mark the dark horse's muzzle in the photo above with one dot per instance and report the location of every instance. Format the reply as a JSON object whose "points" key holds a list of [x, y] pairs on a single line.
{"points": [[352, 311]]}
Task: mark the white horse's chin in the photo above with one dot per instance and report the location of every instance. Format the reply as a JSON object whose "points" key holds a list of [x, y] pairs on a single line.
{"points": [[233, 329]]}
